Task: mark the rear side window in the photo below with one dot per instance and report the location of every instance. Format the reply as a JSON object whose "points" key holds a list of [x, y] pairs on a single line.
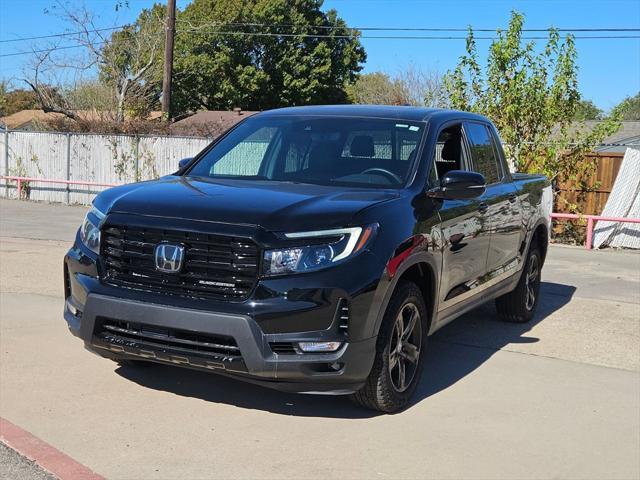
{"points": [[483, 154]]}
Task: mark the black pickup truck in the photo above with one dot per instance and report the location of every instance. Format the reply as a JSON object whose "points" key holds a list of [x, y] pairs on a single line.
{"points": [[312, 249]]}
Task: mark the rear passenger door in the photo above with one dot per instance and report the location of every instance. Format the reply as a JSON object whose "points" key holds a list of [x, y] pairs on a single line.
{"points": [[499, 203]]}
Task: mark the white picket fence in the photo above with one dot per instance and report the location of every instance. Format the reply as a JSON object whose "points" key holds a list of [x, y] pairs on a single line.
{"points": [[87, 157]]}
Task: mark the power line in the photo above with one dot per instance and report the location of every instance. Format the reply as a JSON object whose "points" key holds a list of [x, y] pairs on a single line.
{"points": [[335, 27], [388, 37], [56, 35], [372, 37], [53, 49], [415, 29]]}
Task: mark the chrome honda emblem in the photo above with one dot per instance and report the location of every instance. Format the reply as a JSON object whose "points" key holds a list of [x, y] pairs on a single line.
{"points": [[168, 257]]}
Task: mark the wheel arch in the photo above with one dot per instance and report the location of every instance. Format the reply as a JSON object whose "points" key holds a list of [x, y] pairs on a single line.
{"points": [[423, 276], [540, 237], [421, 270]]}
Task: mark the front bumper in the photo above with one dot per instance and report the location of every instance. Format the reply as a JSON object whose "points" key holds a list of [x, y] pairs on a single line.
{"points": [[90, 305]]}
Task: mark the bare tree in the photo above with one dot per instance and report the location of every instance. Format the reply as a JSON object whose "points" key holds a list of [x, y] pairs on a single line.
{"points": [[410, 86], [421, 87], [126, 60], [49, 96]]}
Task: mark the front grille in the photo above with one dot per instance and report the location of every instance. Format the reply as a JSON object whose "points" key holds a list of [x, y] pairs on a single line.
{"points": [[175, 341], [215, 266]]}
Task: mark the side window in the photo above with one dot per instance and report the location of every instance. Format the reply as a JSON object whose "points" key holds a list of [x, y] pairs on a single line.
{"points": [[432, 181], [483, 153], [247, 156], [449, 153], [500, 155]]}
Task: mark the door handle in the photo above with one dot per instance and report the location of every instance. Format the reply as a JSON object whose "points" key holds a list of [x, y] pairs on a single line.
{"points": [[483, 207], [512, 197]]}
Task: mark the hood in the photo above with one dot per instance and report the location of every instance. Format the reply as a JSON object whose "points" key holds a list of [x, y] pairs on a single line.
{"points": [[274, 206]]}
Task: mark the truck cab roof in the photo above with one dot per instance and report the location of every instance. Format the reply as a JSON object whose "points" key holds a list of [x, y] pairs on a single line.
{"points": [[399, 112]]}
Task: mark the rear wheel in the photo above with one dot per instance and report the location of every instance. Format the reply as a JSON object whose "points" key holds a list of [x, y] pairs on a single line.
{"points": [[399, 353], [519, 306]]}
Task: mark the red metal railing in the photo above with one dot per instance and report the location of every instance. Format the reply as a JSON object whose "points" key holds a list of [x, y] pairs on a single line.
{"points": [[21, 180], [591, 219]]}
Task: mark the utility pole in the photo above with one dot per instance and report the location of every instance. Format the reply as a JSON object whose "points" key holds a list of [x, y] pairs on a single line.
{"points": [[168, 58]]}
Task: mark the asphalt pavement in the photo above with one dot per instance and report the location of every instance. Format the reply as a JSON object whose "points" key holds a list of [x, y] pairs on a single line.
{"points": [[14, 466]]}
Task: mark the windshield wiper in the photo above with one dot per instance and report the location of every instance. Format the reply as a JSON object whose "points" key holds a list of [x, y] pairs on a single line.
{"points": [[239, 177]]}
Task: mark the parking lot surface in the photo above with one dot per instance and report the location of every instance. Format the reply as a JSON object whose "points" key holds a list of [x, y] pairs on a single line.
{"points": [[556, 398]]}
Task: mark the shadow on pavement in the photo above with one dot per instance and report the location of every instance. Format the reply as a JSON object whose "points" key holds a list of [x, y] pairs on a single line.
{"points": [[454, 352], [462, 346], [220, 389]]}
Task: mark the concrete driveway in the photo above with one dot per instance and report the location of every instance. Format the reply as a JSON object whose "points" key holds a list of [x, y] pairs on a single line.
{"points": [[557, 398]]}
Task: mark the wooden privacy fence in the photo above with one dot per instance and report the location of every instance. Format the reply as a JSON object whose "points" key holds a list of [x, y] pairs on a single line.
{"points": [[587, 198], [591, 199]]}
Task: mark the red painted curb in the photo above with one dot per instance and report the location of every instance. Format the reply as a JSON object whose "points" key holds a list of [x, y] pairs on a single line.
{"points": [[49, 458]]}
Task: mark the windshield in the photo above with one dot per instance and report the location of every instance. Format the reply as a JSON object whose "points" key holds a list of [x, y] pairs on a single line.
{"points": [[364, 152]]}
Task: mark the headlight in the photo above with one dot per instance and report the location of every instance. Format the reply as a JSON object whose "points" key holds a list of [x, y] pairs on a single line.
{"points": [[90, 230], [341, 244]]}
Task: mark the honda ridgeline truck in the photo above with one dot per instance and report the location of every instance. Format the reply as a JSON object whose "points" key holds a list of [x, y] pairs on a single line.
{"points": [[312, 249]]}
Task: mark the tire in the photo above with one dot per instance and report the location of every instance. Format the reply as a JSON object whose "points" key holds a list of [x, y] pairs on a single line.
{"points": [[387, 389], [519, 306]]}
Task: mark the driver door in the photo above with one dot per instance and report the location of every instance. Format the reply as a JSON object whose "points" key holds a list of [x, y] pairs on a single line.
{"points": [[462, 222]]}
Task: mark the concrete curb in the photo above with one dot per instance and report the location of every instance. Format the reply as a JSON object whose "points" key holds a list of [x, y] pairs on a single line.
{"points": [[47, 457]]}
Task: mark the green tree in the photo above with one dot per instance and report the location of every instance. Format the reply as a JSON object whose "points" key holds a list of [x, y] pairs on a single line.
{"points": [[376, 88], [12, 101], [629, 108], [221, 65], [532, 97], [3, 97], [587, 110]]}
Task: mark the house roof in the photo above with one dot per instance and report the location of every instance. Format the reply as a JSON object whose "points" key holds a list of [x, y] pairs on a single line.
{"points": [[17, 120], [627, 134], [24, 118], [628, 131], [209, 122]]}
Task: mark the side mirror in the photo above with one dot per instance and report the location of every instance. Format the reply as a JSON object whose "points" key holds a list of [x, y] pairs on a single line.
{"points": [[184, 162], [459, 185]]}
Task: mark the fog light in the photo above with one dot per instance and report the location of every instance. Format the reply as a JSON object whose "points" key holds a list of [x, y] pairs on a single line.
{"points": [[74, 311], [319, 346]]}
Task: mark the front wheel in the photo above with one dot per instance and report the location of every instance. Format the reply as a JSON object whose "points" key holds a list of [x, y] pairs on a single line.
{"points": [[519, 306], [400, 351]]}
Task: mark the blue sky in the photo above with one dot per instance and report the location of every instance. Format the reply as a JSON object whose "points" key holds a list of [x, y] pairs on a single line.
{"points": [[609, 69]]}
